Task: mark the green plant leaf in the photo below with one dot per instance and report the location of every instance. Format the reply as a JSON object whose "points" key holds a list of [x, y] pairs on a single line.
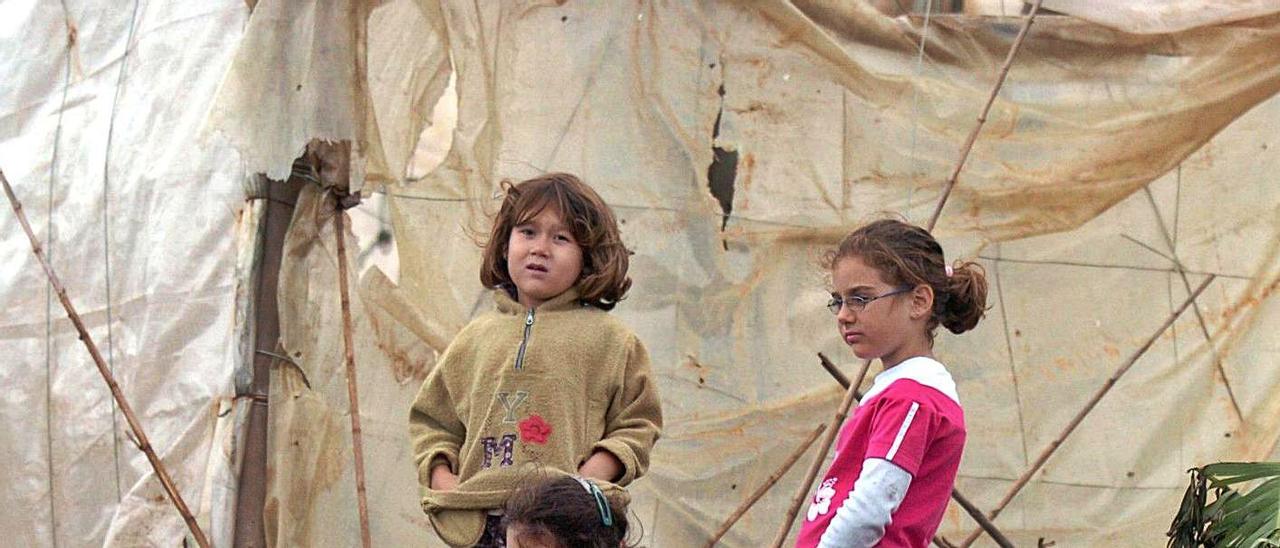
{"points": [[1235, 517]]}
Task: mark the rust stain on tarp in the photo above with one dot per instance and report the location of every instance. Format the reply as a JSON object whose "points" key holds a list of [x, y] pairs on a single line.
{"points": [[1249, 302], [700, 370]]}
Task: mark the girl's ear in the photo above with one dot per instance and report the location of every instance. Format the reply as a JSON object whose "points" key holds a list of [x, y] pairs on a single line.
{"points": [[921, 301]]}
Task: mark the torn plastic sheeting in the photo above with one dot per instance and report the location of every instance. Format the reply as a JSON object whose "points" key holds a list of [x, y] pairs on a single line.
{"points": [[299, 74], [733, 314], [87, 146], [1142, 17], [311, 488], [738, 311]]}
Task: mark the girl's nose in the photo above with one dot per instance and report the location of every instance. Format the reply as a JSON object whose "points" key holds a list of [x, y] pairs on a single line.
{"points": [[846, 315], [540, 247]]}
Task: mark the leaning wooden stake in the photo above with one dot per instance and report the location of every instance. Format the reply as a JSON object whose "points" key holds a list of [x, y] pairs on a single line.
{"points": [[357, 443], [982, 118], [1093, 402], [141, 437], [768, 484], [833, 428], [969, 507]]}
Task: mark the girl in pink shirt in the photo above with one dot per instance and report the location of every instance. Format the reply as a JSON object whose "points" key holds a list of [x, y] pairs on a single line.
{"points": [[897, 456]]}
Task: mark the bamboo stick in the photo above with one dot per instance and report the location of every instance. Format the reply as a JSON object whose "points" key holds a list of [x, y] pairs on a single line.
{"points": [[982, 117], [964, 502], [941, 542], [357, 440], [835, 372], [833, 428], [768, 484], [1204, 328], [134, 425], [1093, 402]]}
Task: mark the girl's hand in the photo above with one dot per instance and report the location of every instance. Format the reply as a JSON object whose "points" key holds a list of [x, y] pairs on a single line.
{"points": [[601, 465], [442, 479]]}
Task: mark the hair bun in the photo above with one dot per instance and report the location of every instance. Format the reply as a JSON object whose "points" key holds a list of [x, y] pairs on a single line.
{"points": [[965, 302]]}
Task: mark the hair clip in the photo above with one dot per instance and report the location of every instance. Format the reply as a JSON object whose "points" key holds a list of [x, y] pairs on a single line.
{"points": [[602, 504], [950, 271]]}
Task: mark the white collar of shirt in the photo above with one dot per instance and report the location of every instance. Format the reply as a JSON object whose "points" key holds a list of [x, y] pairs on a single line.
{"points": [[926, 371]]}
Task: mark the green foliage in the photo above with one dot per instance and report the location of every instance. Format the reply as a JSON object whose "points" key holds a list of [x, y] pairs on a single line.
{"points": [[1249, 519]]}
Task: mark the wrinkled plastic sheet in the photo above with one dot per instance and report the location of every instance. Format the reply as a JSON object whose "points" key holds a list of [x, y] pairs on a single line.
{"points": [[1143, 17], [833, 121], [99, 112]]}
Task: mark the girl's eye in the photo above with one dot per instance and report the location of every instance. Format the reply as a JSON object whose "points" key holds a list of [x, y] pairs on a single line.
{"points": [[525, 231], [564, 238]]}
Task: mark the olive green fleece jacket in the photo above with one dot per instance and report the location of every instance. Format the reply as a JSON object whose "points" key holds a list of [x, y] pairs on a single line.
{"points": [[530, 388]]}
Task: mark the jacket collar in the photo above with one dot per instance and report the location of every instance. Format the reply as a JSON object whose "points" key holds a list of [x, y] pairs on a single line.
{"points": [[564, 301]]}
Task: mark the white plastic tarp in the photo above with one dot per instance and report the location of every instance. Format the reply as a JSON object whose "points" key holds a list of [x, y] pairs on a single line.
{"points": [[99, 113], [832, 120], [834, 115]]}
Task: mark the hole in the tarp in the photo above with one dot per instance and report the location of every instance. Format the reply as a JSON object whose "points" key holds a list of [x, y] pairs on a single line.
{"points": [[720, 178], [437, 137], [722, 173]]}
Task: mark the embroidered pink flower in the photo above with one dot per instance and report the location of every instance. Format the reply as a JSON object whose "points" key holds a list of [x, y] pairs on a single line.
{"points": [[535, 430]]}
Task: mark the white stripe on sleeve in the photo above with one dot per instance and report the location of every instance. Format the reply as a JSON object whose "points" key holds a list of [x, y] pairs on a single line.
{"points": [[902, 431]]}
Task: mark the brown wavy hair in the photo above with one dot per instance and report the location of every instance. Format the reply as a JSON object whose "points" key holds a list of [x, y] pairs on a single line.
{"points": [[560, 512], [906, 254], [603, 281]]}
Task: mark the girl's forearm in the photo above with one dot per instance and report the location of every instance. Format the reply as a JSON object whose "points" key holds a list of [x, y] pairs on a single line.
{"points": [[601, 465], [442, 478]]}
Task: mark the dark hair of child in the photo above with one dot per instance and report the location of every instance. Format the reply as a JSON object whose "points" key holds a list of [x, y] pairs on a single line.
{"points": [[605, 259], [906, 254], [561, 512]]}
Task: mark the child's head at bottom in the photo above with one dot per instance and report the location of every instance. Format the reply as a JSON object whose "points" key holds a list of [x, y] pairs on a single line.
{"points": [[564, 512]]}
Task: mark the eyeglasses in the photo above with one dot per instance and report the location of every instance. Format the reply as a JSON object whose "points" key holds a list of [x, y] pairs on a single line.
{"points": [[857, 303]]}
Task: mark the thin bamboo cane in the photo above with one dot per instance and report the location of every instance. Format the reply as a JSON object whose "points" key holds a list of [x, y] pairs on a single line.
{"points": [[357, 441], [1186, 283], [833, 428], [1093, 402], [969, 507], [134, 425], [982, 118], [941, 542], [768, 484]]}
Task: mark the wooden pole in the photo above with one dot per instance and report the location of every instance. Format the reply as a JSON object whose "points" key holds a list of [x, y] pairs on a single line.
{"points": [[982, 117], [835, 372], [768, 484], [969, 507], [833, 428], [1093, 402], [357, 440], [134, 425]]}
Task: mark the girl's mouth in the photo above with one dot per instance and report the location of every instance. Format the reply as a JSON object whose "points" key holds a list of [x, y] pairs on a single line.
{"points": [[537, 268]]}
